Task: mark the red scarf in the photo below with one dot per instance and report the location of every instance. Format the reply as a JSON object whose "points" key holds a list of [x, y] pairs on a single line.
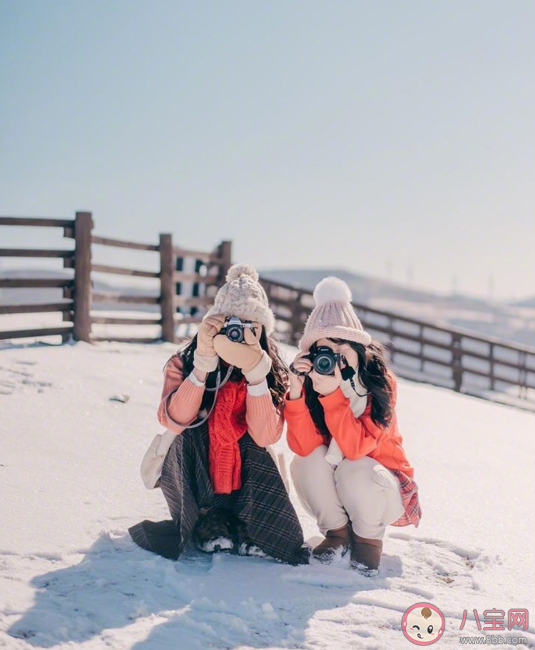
{"points": [[226, 425]]}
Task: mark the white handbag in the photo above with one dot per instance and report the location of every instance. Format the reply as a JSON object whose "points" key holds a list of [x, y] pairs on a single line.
{"points": [[152, 463]]}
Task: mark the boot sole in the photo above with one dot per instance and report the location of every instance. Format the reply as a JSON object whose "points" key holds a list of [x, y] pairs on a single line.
{"points": [[246, 550], [216, 545], [363, 569], [327, 558]]}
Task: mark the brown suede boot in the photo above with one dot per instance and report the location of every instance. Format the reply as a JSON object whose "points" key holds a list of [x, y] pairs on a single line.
{"points": [[365, 553], [336, 541]]}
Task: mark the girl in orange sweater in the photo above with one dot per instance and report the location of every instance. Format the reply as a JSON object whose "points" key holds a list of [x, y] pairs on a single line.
{"points": [[222, 403], [350, 472]]}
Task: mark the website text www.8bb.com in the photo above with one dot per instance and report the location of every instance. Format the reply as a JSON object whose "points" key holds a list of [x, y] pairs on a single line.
{"points": [[494, 639]]}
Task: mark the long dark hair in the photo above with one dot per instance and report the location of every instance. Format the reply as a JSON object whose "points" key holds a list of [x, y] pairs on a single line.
{"points": [[277, 379], [373, 375]]}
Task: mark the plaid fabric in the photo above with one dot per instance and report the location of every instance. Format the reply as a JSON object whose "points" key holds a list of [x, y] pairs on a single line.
{"points": [[409, 495], [261, 503]]}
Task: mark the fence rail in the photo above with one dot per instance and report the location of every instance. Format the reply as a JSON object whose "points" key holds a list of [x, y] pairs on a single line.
{"points": [[39, 222], [65, 308], [34, 283], [113, 297], [102, 268], [34, 252], [458, 359], [121, 243], [117, 298], [40, 331]]}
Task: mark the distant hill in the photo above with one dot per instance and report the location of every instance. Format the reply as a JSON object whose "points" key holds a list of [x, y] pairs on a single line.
{"points": [[368, 289], [529, 303]]}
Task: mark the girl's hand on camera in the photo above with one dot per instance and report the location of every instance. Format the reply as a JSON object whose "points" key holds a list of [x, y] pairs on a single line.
{"points": [[301, 363], [326, 384], [209, 328], [244, 355]]}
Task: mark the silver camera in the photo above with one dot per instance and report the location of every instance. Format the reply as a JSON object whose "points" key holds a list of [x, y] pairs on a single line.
{"points": [[234, 327]]}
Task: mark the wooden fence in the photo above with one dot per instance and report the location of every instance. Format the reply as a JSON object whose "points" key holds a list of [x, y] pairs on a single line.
{"points": [[70, 307], [174, 306], [451, 357], [80, 298]]}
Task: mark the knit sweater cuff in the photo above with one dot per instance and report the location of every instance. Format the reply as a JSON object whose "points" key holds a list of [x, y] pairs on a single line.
{"points": [[195, 381], [258, 390], [260, 371], [205, 364]]}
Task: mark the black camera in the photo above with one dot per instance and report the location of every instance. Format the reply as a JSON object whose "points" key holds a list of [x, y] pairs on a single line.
{"points": [[234, 327], [324, 360]]}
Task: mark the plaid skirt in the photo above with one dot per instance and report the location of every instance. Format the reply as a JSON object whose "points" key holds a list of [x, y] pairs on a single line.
{"points": [[261, 503]]}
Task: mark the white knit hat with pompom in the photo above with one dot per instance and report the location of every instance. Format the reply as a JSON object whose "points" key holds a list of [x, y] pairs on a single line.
{"points": [[243, 296], [333, 316]]}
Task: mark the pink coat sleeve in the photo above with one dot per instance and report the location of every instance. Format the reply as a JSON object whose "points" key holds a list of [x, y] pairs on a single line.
{"points": [[181, 399], [264, 420]]}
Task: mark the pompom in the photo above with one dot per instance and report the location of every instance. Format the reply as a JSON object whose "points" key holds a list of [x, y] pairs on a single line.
{"points": [[332, 289], [242, 269]]}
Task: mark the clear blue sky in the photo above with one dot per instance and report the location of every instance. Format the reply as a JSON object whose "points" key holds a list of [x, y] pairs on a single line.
{"points": [[394, 138]]}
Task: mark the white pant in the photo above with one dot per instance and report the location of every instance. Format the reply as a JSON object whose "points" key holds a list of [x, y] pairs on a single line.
{"points": [[362, 491]]}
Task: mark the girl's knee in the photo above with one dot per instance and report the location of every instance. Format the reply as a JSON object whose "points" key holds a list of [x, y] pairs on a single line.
{"points": [[365, 473], [360, 471], [314, 462]]}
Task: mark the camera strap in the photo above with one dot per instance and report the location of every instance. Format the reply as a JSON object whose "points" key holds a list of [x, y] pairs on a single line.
{"points": [[347, 374], [218, 383], [355, 388]]}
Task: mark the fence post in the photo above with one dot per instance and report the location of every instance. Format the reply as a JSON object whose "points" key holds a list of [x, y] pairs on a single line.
{"points": [[83, 227], [491, 367], [421, 337], [225, 253], [389, 343], [296, 322], [522, 374], [456, 362], [167, 287]]}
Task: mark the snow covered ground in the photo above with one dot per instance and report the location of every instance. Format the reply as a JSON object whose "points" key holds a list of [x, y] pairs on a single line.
{"points": [[70, 577]]}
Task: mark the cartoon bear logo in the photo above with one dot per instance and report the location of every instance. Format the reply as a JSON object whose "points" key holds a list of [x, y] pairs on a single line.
{"points": [[423, 624]]}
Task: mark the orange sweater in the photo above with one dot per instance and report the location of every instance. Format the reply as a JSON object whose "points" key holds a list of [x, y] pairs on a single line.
{"points": [[356, 437], [183, 399]]}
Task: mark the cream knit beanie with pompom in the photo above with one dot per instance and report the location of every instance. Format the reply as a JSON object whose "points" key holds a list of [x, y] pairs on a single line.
{"points": [[333, 316], [243, 296]]}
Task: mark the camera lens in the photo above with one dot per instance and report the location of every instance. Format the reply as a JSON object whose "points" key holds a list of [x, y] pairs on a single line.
{"points": [[324, 364], [235, 333]]}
